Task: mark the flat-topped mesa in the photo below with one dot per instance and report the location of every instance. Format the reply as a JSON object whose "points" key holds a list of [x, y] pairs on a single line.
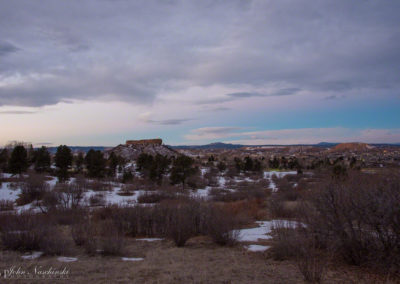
{"points": [[144, 142]]}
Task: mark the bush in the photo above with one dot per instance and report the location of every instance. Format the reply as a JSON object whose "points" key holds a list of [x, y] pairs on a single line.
{"points": [[6, 205], [358, 218], [221, 226], [97, 199], [154, 197], [34, 188], [27, 232], [111, 239]]}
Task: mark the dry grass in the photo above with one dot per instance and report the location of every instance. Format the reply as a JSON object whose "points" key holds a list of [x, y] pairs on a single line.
{"points": [[199, 261]]}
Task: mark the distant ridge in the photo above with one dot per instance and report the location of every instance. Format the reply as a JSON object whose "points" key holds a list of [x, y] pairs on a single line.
{"points": [[221, 145], [217, 145]]}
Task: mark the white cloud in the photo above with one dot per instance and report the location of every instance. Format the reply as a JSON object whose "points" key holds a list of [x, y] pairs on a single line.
{"points": [[295, 136]]}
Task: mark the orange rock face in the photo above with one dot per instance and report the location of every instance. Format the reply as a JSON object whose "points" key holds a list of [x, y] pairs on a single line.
{"points": [[144, 142]]}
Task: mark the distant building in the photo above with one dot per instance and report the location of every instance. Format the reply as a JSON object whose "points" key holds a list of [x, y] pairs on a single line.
{"points": [[144, 142]]}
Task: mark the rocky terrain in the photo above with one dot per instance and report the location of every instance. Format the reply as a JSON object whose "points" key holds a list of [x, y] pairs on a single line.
{"points": [[131, 151]]}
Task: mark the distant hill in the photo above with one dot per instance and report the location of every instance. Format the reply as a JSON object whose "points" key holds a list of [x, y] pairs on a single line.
{"points": [[217, 145], [83, 149], [355, 146]]}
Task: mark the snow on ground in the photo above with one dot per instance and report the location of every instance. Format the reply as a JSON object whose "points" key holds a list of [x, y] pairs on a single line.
{"points": [[67, 259], [8, 194], [221, 181], [264, 230], [149, 239], [34, 255], [202, 193], [6, 175], [256, 248], [278, 174], [203, 171], [132, 258]]}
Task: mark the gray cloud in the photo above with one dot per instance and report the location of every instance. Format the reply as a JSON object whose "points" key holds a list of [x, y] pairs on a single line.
{"points": [[81, 50], [169, 121], [6, 47], [16, 112]]}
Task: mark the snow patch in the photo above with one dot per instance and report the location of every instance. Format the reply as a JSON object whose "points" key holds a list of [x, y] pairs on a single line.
{"points": [[256, 248], [67, 259], [132, 258], [33, 255], [149, 239]]}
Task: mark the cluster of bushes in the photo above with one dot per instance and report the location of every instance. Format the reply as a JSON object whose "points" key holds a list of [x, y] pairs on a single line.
{"points": [[178, 219], [28, 232], [356, 219], [106, 229]]}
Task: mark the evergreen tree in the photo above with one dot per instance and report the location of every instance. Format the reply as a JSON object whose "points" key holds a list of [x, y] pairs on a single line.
{"points": [[248, 164], [63, 161], [79, 161], [95, 163], [113, 162], [182, 168], [42, 159], [4, 157], [19, 160]]}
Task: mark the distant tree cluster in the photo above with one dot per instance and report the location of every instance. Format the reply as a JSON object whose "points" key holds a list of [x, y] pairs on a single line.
{"points": [[248, 164], [153, 167], [17, 158]]}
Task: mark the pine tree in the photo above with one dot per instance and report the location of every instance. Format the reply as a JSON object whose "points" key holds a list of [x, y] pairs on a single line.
{"points": [[63, 161], [19, 160], [42, 159], [182, 168]]}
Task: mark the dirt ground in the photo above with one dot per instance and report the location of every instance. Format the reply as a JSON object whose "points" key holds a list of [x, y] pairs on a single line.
{"points": [[200, 261]]}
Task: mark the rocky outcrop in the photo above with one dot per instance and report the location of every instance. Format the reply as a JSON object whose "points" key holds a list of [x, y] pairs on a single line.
{"points": [[145, 142], [132, 151]]}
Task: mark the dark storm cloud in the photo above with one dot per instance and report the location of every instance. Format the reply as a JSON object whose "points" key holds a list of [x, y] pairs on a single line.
{"points": [[6, 47], [134, 50]]}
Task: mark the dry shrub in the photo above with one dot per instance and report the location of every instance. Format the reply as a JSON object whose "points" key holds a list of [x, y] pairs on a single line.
{"points": [[359, 219], [221, 226], [32, 189], [127, 190], [245, 209], [97, 185], [286, 243], [182, 222], [6, 205], [27, 232], [97, 199], [111, 240], [155, 197], [292, 242]]}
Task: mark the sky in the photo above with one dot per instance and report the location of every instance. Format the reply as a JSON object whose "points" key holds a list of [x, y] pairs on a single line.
{"points": [[194, 72]]}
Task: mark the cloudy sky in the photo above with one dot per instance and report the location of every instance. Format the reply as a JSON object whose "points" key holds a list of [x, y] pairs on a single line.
{"points": [[193, 72]]}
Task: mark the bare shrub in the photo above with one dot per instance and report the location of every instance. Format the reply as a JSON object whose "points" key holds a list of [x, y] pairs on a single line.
{"points": [[111, 239], [221, 226], [155, 197], [27, 232], [127, 190], [181, 223], [311, 264], [97, 199], [294, 242], [358, 218], [6, 205], [286, 243], [32, 189], [97, 185]]}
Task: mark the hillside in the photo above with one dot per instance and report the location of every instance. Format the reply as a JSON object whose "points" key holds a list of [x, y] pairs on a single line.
{"points": [[131, 152], [354, 146]]}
